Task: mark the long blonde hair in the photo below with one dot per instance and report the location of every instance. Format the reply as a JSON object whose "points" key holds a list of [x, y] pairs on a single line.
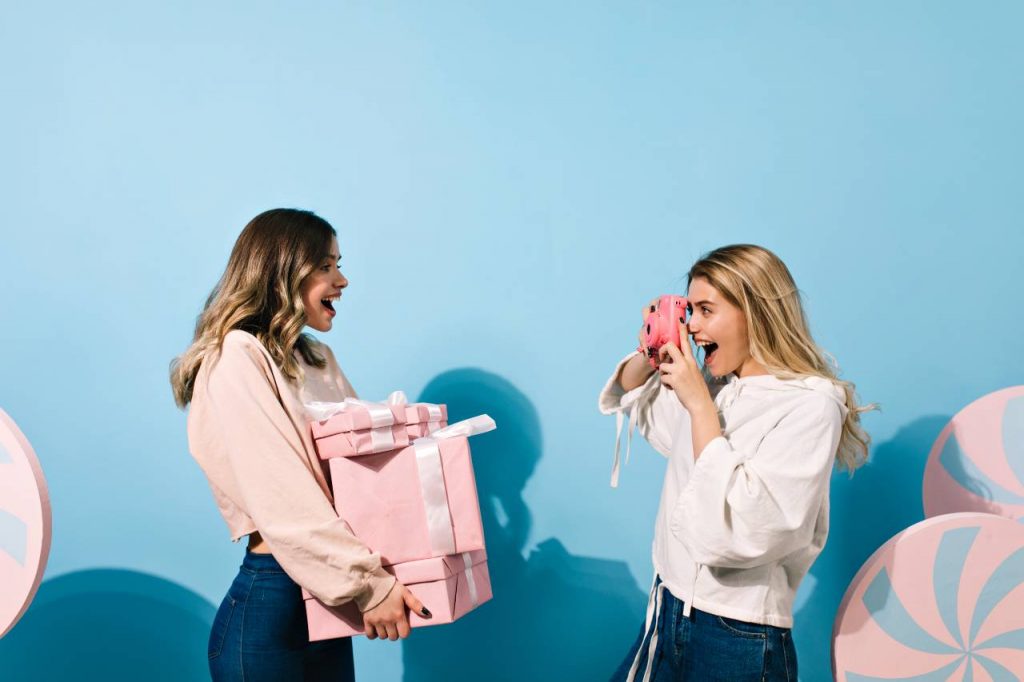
{"points": [[260, 293], [757, 282]]}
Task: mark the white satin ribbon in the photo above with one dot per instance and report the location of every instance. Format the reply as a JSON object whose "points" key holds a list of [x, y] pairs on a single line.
{"points": [[382, 440], [434, 492], [380, 415], [322, 411], [435, 499], [467, 427], [474, 597], [433, 411]]}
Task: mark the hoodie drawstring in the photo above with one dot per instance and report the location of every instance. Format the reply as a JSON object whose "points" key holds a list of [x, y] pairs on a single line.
{"points": [[688, 604], [653, 615], [619, 418]]}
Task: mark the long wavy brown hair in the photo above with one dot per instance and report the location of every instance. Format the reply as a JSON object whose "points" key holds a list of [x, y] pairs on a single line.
{"points": [[259, 293], [757, 282]]}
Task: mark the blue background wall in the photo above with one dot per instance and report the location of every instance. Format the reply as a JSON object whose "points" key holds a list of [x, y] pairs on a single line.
{"points": [[510, 186]]}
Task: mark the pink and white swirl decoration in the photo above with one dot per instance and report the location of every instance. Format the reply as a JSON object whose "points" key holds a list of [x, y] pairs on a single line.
{"points": [[943, 600], [25, 524], [977, 462]]}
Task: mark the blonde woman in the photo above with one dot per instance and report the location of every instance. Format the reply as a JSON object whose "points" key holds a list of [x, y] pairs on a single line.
{"points": [[246, 375], [751, 440]]}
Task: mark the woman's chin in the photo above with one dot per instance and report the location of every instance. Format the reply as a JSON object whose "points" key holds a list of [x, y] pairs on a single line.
{"points": [[718, 370]]}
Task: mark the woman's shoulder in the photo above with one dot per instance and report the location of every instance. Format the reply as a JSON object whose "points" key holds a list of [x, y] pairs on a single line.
{"points": [[239, 361], [240, 339], [818, 399], [240, 352], [796, 397]]}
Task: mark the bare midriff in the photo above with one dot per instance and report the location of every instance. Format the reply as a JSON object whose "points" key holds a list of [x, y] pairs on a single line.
{"points": [[256, 544]]}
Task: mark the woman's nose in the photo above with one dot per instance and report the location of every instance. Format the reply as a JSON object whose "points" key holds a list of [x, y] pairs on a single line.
{"points": [[342, 281]]}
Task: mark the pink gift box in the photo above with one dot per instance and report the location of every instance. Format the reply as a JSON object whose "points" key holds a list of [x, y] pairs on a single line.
{"points": [[425, 412], [407, 510], [355, 432], [424, 429], [423, 419], [449, 586]]}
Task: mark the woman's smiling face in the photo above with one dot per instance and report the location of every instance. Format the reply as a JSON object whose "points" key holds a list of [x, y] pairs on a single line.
{"points": [[321, 289], [720, 328]]}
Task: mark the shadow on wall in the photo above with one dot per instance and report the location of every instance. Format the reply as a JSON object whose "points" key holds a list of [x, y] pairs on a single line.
{"points": [[111, 625], [553, 615], [882, 499]]}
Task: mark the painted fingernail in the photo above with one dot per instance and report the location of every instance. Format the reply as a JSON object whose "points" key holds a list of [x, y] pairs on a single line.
{"points": [[426, 612]]}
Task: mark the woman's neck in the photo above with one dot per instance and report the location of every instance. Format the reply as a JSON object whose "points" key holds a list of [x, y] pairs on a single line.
{"points": [[751, 368]]}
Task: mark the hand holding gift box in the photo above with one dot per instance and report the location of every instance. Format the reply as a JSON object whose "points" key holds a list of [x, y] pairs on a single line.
{"points": [[450, 587], [416, 505]]}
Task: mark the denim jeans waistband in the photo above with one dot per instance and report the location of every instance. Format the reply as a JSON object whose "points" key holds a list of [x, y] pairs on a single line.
{"points": [[261, 563]]}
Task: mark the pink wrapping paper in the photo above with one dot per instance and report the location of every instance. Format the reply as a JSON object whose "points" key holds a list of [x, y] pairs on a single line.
{"points": [[381, 498], [443, 584]]}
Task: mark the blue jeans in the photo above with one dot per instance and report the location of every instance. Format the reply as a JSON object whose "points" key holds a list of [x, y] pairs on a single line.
{"points": [[708, 648], [259, 633]]}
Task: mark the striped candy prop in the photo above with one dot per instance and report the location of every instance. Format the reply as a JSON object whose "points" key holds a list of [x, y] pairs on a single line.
{"points": [[942, 600], [24, 524], [977, 462]]}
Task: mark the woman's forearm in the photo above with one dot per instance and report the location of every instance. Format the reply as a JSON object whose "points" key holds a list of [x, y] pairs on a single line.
{"points": [[635, 372], [704, 427]]}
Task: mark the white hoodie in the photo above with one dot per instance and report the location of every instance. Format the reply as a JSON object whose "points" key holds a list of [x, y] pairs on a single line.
{"points": [[738, 529]]}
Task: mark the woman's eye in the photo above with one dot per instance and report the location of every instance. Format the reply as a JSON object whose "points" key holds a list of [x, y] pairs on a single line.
{"points": [[706, 310], [326, 268]]}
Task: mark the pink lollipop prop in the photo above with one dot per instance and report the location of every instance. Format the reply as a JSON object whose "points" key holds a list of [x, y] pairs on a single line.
{"points": [[977, 462], [25, 524], [942, 600]]}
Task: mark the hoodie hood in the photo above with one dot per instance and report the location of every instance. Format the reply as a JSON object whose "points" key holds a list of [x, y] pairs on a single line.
{"points": [[768, 383]]}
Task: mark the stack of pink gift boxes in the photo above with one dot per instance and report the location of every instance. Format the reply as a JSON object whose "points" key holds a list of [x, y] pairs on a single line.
{"points": [[403, 481]]}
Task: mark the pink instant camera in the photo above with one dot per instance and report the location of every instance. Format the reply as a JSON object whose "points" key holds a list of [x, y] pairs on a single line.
{"points": [[662, 326]]}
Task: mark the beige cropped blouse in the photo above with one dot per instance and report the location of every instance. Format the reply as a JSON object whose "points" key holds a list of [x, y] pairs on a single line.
{"points": [[248, 431]]}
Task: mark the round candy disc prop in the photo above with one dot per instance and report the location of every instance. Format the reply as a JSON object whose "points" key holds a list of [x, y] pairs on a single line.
{"points": [[942, 600], [24, 523], [977, 462]]}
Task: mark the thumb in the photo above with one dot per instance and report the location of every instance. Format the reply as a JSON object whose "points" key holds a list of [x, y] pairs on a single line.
{"points": [[415, 605]]}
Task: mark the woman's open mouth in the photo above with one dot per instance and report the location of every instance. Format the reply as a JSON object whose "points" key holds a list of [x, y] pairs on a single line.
{"points": [[328, 303], [709, 348]]}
